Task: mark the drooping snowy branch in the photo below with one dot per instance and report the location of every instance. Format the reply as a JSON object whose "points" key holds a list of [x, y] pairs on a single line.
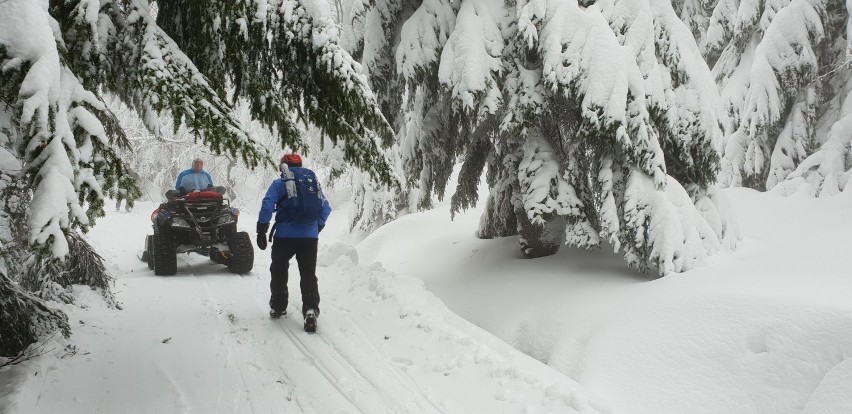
{"points": [[774, 82], [423, 37], [284, 57], [471, 60], [64, 143], [782, 68], [582, 58]]}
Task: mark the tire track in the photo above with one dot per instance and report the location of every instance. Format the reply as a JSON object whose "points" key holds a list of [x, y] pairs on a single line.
{"points": [[301, 367], [249, 388], [357, 355], [346, 360], [375, 402]]}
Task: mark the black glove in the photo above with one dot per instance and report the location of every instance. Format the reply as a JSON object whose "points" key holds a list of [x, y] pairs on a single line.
{"points": [[321, 226], [261, 235]]}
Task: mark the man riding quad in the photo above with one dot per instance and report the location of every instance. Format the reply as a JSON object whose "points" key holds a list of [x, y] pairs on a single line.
{"points": [[197, 219], [194, 179]]}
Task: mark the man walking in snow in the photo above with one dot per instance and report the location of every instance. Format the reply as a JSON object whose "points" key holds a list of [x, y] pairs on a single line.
{"points": [[301, 211], [194, 179]]}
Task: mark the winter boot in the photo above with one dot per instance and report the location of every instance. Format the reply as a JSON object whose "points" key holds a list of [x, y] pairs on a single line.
{"points": [[276, 314], [310, 321]]}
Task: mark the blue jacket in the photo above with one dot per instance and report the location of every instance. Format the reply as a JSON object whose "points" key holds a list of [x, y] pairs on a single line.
{"points": [[283, 228], [191, 180]]}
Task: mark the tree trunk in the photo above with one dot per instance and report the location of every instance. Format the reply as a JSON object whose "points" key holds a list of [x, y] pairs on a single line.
{"points": [[539, 240]]}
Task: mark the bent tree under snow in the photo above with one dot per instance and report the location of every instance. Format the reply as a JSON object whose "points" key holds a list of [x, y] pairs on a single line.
{"points": [[783, 70], [596, 121]]}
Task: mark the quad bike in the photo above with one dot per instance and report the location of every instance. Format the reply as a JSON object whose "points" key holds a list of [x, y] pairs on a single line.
{"points": [[200, 222]]}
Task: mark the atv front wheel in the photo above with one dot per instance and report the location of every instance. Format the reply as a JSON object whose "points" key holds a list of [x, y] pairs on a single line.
{"points": [[242, 253], [164, 255]]}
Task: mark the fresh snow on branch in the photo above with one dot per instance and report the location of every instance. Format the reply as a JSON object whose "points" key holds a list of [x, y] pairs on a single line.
{"points": [[61, 136], [782, 69]]}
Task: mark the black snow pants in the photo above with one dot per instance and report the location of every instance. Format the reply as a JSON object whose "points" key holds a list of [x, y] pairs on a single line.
{"points": [[305, 250]]}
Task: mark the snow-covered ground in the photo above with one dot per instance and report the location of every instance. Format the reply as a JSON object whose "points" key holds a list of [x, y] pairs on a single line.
{"points": [[767, 329], [201, 342]]}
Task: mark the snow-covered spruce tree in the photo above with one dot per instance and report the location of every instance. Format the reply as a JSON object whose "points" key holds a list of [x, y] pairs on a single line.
{"points": [[58, 57], [782, 68], [24, 317], [596, 121], [56, 160]]}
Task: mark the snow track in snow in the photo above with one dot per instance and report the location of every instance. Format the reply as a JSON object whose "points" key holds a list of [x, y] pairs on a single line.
{"points": [[378, 380], [348, 378]]}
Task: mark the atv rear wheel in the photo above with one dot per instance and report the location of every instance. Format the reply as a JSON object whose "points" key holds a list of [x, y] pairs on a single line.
{"points": [[164, 255], [149, 251], [242, 252]]}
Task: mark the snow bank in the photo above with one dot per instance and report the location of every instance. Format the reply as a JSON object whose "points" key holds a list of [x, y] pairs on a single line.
{"points": [[764, 330], [470, 369], [683, 351], [340, 253]]}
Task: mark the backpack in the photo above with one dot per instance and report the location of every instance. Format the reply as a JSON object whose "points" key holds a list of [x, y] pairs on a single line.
{"points": [[304, 200]]}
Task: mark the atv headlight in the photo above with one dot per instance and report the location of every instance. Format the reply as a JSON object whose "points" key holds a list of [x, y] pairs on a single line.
{"points": [[179, 222], [225, 219]]}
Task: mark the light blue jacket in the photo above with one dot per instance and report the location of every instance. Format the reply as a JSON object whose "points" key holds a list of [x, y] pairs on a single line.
{"points": [[191, 180], [283, 228]]}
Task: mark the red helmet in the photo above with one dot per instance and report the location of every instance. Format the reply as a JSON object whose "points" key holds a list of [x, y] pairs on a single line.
{"points": [[292, 160]]}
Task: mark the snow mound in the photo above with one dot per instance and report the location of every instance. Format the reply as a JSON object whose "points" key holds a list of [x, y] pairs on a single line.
{"points": [[765, 329], [722, 353], [833, 392], [471, 369], [338, 253]]}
